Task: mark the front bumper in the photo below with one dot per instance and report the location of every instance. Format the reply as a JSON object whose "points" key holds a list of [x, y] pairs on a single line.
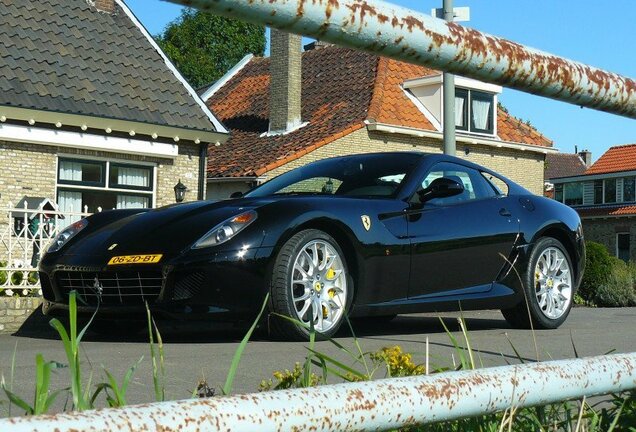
{"points": [[224, 286]]}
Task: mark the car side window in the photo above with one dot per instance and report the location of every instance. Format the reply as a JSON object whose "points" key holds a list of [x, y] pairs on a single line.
{"points": [[475, 185]]}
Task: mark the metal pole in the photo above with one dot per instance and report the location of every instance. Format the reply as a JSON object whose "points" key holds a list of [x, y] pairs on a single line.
{"points": [[449, 94], [364, 406], [396, 32]]}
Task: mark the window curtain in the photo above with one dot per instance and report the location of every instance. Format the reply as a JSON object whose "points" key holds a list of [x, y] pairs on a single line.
{"points": [[133, 176], [480, 113], [130, 201], [69, 202], [71, 171], [459, 111]]}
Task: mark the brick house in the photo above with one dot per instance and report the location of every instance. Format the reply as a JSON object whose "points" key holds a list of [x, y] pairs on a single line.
{"points": [[92, 113], [559, 165], [605, 198], [347, 101]]}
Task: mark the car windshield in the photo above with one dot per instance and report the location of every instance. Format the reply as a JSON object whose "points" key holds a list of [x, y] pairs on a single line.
{"points": [[373, 175]]}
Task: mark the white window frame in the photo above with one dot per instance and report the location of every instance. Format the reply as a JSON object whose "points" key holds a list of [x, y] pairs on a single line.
{"points": [[469, 113], [603, 180], [152, 194]]}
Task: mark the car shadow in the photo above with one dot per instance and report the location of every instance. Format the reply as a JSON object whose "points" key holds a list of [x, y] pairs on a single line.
{"points": [[176, 332]]}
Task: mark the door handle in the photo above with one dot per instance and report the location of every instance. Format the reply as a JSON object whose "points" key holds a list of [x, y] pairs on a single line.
{"points": [[504, 212]]}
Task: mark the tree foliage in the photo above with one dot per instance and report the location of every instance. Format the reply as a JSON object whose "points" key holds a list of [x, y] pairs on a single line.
{"points": [[203, 46]]}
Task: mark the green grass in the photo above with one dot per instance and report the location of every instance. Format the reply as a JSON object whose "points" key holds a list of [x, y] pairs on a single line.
{"points": [[613, 413]]}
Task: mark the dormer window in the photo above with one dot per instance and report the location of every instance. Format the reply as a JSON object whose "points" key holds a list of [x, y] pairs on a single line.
{"points": [[474, 111], [475, 103]]}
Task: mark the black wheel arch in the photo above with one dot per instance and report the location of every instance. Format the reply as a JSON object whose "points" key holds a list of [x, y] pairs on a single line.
{"points": [[563, 234], [340, 233]]}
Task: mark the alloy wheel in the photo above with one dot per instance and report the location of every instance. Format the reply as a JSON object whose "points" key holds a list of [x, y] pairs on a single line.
{"points": [[553, 283], [319, 285]]}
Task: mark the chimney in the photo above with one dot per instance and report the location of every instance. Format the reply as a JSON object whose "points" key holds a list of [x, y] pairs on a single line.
{"points": [[586, 156], [107, 6], [285, 82]]}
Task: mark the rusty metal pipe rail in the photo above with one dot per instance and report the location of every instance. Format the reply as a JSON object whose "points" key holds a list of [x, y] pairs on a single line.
{"points": [[375, 405], [400, 33]]}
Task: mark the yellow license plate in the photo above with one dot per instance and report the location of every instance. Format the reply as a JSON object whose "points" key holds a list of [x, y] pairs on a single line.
{"points": [[135, 259]]}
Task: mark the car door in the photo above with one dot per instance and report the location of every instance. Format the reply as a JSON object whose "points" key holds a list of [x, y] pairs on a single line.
{"points": [[458, 243]]}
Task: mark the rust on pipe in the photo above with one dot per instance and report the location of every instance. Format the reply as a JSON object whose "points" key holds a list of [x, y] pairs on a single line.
{"points": [[402, 34], [364, 406]]}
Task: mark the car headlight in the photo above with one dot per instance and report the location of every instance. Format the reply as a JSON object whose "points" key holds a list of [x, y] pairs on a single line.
{"points": [[226, 230], [68, 233]]}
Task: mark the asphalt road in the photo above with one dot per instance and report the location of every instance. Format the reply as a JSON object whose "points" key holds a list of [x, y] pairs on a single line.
{"points": [[194, 352]]}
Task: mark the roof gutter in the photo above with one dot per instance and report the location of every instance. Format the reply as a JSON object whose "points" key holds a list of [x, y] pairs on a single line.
{"points": [[591, 177], [393, 31], [225, 78], [217, 124], [109, 125], [421, 133]]}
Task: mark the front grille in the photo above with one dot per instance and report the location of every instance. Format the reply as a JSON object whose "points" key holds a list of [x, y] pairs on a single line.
{"points": [[111, 288], [187, 285]]}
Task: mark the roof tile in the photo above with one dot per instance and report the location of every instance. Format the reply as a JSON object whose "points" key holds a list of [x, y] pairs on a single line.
{"points": [[63, 55], [563, 165], [620, 210], [341, 88], [616, 159]]}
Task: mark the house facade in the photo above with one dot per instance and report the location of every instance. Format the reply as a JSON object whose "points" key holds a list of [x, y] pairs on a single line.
{"points": [[605, 198], [92, 113], [559, 165], [338, 101]]}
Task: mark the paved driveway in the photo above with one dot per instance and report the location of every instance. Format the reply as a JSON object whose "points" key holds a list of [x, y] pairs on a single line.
{"points": [[195, 352]]}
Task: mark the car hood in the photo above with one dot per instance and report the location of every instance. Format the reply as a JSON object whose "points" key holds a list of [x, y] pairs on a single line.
{"points": [[166, 230]]}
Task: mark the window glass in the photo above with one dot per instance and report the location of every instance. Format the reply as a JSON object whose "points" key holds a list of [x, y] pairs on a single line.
{"points": [[573, 193], [129, 176], [317, 185], [598, 191], [628, 189], [82, 187], [481, 112], [474, 111], [475, 185], [500, 186], [81, 172], [558, 192], [610, 190], [622, 246], [77, 201], [461, 109], [373, 175]]}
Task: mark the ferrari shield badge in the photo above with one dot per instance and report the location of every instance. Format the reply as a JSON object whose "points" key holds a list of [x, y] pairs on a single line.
{"points": [[366, 222]]}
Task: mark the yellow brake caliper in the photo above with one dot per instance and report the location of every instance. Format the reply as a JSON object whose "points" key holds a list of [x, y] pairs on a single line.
{"points": [[331, 274]]}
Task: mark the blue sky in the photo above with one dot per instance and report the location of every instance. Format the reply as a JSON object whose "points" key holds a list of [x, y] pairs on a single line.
{"points": [[585, 30]]}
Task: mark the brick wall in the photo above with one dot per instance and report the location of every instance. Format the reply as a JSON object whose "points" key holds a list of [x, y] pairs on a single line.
{"points": [[29, 169], [285, 89], [604, 231], [184, 167], [523, 167], [14, 311]]}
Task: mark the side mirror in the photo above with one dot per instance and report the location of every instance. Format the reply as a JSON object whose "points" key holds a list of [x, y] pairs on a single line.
{"points": [[236, 195], [442, 187]]}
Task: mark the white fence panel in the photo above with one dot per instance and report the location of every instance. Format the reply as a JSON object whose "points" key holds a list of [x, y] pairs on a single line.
{"points": [[24, 235]]}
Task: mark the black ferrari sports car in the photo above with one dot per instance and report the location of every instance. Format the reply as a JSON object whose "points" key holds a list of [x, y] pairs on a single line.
{"points": [[370, 235]]}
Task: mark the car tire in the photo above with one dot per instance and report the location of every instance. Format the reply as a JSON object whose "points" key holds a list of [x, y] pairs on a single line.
{"points": [[548, 288], [310, 277]]}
